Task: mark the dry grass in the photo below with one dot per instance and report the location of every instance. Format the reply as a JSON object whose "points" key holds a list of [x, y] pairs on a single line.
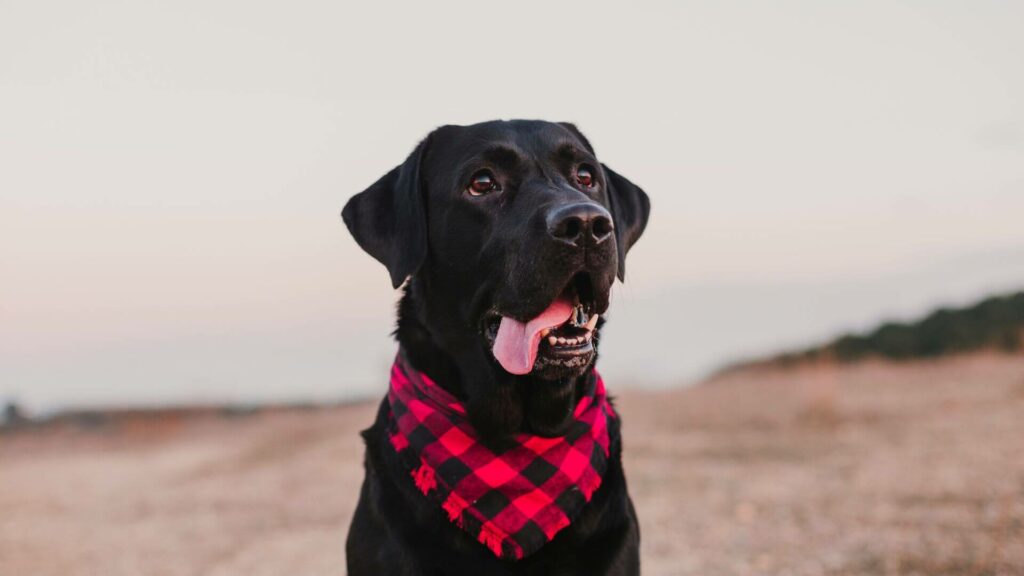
{"points": [[863, 469]]}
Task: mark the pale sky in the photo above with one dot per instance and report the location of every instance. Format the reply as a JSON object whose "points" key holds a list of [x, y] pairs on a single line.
{"points": [[171, 175]]}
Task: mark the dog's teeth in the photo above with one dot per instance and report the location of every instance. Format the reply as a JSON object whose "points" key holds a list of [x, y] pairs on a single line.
{"points": [[592, 323], [563, 341], [552, 340], [545, 332]]}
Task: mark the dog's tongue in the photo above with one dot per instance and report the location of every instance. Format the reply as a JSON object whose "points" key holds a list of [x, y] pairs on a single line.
{"points": [[516, 344]]}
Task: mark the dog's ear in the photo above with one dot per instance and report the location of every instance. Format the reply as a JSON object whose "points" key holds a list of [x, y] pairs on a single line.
{"points": [[630, 209], [389, 219]]}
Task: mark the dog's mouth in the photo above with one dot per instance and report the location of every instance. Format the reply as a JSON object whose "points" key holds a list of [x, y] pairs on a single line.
{"points": [[561, 338]]}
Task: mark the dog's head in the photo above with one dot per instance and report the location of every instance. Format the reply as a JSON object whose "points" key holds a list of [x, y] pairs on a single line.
{"points": [[513, 233]]}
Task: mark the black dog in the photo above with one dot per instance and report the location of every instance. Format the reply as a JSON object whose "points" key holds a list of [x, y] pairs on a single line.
{"points": [[491, 224]]}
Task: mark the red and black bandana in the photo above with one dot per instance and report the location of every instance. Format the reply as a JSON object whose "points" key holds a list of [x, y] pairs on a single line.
{"points": [[513, 499]]}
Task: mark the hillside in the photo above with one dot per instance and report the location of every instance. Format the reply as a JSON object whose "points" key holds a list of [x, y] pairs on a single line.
{"points": [[996, 323]]}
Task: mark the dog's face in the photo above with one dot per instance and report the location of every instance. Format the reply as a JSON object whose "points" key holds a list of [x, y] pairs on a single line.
{"points": [[514, 233]]}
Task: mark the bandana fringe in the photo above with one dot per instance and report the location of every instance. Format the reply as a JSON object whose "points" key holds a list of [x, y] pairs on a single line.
{"points": [[424, 478]]}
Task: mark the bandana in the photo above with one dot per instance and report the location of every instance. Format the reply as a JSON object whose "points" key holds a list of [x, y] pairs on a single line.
{"points": [[512, 499]]}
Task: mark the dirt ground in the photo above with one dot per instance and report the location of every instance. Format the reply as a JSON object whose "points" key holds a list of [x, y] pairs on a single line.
{"points": [[864, 469]]}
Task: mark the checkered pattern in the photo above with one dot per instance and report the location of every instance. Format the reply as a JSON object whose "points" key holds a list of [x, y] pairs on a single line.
{"points": [[515, 498]]}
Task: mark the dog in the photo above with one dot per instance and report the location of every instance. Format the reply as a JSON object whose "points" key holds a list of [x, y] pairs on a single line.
{"points": [[507, 237]]}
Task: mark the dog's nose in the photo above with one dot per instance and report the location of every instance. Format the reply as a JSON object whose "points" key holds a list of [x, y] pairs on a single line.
{"points": [[581, 224]]}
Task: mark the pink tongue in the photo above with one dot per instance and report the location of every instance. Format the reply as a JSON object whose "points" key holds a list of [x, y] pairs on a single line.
{"points": [[516, 344]]}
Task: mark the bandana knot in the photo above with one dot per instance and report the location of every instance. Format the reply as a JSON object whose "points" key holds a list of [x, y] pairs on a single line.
{"points": [[512, 499]]}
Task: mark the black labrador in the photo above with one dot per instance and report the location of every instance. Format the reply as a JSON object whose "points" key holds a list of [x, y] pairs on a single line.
{"points": [[487, 222]]}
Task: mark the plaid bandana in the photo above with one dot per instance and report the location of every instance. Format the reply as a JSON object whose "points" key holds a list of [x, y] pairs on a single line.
{"points": [[513, 499]]}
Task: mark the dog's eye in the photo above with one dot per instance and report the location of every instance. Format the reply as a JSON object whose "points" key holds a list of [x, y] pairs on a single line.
{"points": [[585, 176], [482, 183]]}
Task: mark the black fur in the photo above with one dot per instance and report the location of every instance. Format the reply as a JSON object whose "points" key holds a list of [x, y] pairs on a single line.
{"points": [[467, 257]]}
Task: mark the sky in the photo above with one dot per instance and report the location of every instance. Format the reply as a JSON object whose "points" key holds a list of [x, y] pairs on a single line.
{"points": [[171, 177]]}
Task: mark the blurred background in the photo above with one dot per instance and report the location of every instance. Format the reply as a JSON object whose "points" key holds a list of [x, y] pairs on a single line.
{"points": [[171, 177]]}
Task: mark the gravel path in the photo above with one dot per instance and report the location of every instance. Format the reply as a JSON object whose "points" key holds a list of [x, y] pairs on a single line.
{"points": [[865, 469]]}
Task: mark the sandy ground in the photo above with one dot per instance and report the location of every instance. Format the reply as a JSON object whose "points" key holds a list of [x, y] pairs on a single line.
{"points": [[866, 469]]}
